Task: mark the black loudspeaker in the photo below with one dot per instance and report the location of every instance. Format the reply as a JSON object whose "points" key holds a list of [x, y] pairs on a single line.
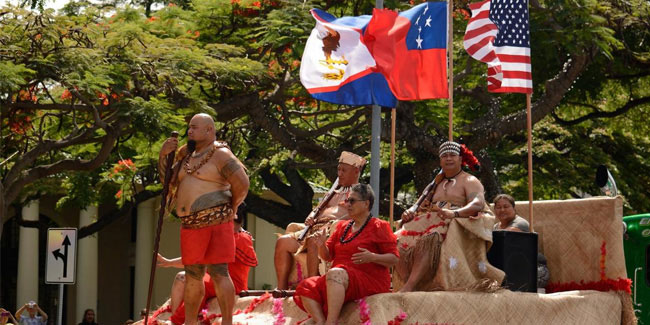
{"points": [[515, 253]]}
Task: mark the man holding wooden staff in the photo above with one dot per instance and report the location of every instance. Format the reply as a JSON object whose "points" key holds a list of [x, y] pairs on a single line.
{"points": [[208, 185], [331, 208], [445, 234]]}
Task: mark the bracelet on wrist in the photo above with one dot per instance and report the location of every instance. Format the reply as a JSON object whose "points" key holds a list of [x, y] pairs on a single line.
{"points": [[456, 215]]}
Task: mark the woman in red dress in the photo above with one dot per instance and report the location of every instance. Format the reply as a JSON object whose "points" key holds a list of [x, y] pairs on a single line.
{"points": [[361, 250]]}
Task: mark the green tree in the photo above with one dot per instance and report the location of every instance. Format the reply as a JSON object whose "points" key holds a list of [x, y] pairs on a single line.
{"points": [[97, 85]]}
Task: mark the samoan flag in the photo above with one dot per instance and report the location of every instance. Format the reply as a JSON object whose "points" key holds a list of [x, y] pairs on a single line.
{"points": [[410, 49], [337, 67]]}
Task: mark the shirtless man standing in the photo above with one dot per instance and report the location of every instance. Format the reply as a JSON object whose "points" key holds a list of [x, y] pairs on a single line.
{"points": [[208, 184]]}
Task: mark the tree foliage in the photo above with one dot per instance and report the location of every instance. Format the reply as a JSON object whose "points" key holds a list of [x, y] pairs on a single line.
{"points": [[88, 94]]}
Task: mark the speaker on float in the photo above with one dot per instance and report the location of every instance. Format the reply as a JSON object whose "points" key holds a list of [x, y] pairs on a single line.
{"points": [[515, 253]]}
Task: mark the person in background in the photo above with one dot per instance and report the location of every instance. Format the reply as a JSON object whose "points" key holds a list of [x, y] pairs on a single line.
{"points": [[5, 316], [89, 317], [32, 318], [504, 210]]}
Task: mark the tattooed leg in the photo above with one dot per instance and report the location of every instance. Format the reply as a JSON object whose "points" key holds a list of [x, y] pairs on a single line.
{"points": [[178, 290], [194, 291], [218, 270], [225, 290], [195, 271], [337, 284]]}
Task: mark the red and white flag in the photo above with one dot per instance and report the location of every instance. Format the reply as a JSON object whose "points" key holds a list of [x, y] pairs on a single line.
{"points": [[498, 34]]}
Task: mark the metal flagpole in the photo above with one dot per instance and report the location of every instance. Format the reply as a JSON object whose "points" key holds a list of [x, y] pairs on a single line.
{"points": [[374, 146], [59, 316], [374, 156], [530, 161], [450, 69]]}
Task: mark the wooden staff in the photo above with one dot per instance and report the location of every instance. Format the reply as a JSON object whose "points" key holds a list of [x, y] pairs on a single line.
{"points": [[161, 214], [530, 161], [277, 293]]}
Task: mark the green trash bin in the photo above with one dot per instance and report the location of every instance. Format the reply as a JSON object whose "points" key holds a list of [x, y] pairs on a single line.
{"points": [[636, 245]]}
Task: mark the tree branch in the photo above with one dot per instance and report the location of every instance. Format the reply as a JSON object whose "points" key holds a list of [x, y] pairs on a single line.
{"points": [[41, 171], [597, 113], [483, 132]]}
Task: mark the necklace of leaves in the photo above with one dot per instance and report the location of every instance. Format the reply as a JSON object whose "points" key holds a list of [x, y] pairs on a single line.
{"points": [[342, 240], [198, 166]]}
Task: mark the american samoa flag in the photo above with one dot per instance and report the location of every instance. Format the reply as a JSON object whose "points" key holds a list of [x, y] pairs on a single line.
{"points": [[337, 66], [498, 34]]}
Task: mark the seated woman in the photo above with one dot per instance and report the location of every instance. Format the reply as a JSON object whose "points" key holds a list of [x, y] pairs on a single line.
{"points": [[504, 209], [361, 250]]}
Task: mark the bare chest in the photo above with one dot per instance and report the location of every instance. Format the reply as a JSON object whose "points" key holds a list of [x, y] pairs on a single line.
{"points": [[193, 169], [451, 191]]}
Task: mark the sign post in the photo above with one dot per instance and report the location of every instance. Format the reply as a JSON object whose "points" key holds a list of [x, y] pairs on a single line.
{"points": [[61, 261]]}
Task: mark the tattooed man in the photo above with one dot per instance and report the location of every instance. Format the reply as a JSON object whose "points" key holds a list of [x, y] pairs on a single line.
{"points": [[208, 184]]}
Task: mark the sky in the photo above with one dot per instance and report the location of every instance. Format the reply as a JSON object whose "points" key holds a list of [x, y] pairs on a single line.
{"points": [[54, 4]]}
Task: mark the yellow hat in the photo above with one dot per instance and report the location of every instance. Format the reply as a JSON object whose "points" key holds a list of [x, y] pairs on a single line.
{"points": [[352, 159]]}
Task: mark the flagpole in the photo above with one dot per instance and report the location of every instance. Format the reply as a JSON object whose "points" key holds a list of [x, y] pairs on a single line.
{"points": [[375, 163], [450, 69], [393, 117], [530, 161]]}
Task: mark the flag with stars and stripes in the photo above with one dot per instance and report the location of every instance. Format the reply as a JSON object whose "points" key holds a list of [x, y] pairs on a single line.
{"points": [[498, 34], [410, 49]]}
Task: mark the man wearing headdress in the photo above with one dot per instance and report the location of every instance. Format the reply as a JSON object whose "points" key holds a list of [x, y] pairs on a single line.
{"points": [[348, 171], [443, 237], [207, 186]]}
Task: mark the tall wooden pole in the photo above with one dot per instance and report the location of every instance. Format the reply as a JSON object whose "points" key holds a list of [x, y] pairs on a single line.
{"points": [[529, 126], [450, 68], [393, 117]]}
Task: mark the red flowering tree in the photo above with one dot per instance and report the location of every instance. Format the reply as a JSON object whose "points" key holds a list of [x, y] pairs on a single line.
{"points": [[91, 87]]}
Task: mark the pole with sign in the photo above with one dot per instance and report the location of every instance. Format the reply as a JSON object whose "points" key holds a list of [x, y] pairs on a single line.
{"points": [[61, 261]]}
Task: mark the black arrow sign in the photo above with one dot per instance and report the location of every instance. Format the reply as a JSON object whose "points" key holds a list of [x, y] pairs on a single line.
{"points": [[57, 254]]}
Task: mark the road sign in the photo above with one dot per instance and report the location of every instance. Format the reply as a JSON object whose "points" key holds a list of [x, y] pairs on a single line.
{"points": [[61, 262]]}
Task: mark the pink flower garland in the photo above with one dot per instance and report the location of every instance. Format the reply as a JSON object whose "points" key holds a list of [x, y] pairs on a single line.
{"points": [[364, 312], [398, 319], [298, 272], [278, 311]]}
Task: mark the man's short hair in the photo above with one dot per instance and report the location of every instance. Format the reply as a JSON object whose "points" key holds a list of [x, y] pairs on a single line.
{"points": [[365, 192]]}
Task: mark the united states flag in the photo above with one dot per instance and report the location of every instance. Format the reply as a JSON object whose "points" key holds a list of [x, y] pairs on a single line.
{"points": [[498, 34]]}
